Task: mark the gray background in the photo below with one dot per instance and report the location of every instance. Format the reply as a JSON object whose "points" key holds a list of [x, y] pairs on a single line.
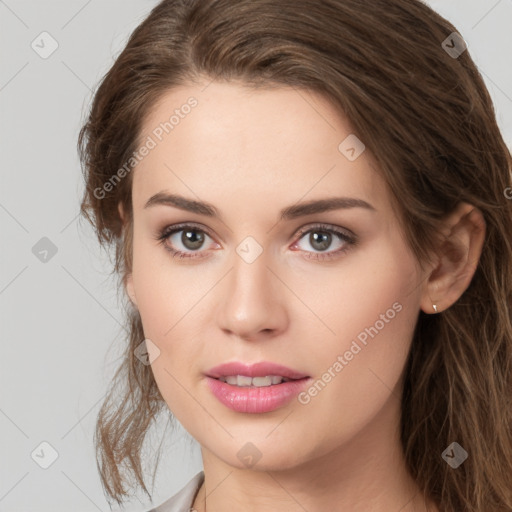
{"points": [[60, 319]]}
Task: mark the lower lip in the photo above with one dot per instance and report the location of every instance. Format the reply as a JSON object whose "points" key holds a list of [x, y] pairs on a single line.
{"points": [[256, 400]]}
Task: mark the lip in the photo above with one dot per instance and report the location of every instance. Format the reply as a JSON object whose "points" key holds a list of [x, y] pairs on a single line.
{"points": [[261, 369], [255, 400]]}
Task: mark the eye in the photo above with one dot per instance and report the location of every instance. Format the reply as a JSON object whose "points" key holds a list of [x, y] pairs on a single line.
{"points": [[188, 240], [180, 239], [321, 237]]}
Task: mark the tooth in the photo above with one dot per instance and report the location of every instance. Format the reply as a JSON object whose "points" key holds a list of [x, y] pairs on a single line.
{"points": [[262, 381], [242, 380]]}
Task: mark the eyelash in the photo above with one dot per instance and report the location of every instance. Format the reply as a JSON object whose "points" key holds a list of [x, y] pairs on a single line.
{"points": [[349, 240]]}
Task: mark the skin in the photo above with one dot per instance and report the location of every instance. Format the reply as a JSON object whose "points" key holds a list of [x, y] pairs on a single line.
{"points": [[250, 154]]}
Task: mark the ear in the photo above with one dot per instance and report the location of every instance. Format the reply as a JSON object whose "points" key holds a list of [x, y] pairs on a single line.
{"points": [[130, 290], [458, 256], [120, 209]]}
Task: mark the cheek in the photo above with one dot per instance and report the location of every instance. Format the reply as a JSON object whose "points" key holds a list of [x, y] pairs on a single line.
{"points": [[376, 309], [367, 369], [169, 300], [367, 288], [165, 300], [164, 292]]}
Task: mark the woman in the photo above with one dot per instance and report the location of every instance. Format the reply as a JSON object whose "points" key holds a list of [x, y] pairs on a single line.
{"points": [[308, 204]]}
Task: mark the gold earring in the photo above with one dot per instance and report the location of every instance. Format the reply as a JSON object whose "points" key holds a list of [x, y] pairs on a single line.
{"points": [[435, 307]]}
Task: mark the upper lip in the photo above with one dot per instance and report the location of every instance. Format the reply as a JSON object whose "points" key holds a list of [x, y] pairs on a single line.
{"points": [[261, 369]]}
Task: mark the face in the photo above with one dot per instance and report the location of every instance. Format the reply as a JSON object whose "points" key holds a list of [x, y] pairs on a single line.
{"points": [[332, 294]]}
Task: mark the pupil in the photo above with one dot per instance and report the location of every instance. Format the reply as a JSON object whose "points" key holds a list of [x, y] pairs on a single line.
{"points": [[324, 240], [192, 239]]}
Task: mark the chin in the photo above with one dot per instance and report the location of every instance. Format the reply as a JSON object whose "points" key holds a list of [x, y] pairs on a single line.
{"points": [[261, 455]]}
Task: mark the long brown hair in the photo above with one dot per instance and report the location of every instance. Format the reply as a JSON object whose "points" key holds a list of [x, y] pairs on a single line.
{"points": [[426, 116]]}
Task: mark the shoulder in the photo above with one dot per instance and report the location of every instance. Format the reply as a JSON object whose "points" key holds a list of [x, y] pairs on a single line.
{"points": [[182, 501]]}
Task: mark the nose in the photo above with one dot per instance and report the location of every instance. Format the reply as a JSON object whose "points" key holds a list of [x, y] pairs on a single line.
{"points": [[251, 304]]}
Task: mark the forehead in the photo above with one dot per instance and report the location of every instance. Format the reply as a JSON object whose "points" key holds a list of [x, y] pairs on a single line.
{"points": [[219, 140]]}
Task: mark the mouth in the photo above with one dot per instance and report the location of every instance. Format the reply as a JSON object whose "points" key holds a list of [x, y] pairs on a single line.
{"points": [[260, 374], [256, 388], [255, 394], [243, 381]]}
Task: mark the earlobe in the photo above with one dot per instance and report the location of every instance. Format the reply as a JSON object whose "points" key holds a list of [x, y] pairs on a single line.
{"points": [[458, 258]]}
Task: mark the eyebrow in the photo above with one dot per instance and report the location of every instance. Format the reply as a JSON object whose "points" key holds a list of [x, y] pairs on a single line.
{"points": [[288, 213]]}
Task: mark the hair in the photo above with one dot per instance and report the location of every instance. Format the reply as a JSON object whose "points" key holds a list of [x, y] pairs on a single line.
{"points": [[428, 120]]}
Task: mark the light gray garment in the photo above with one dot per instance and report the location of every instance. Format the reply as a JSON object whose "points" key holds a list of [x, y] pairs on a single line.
{"points": [[183, 500]]}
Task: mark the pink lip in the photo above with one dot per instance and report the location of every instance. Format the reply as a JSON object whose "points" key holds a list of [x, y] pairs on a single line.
{"points": [[253, 399], [254, 370]]}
